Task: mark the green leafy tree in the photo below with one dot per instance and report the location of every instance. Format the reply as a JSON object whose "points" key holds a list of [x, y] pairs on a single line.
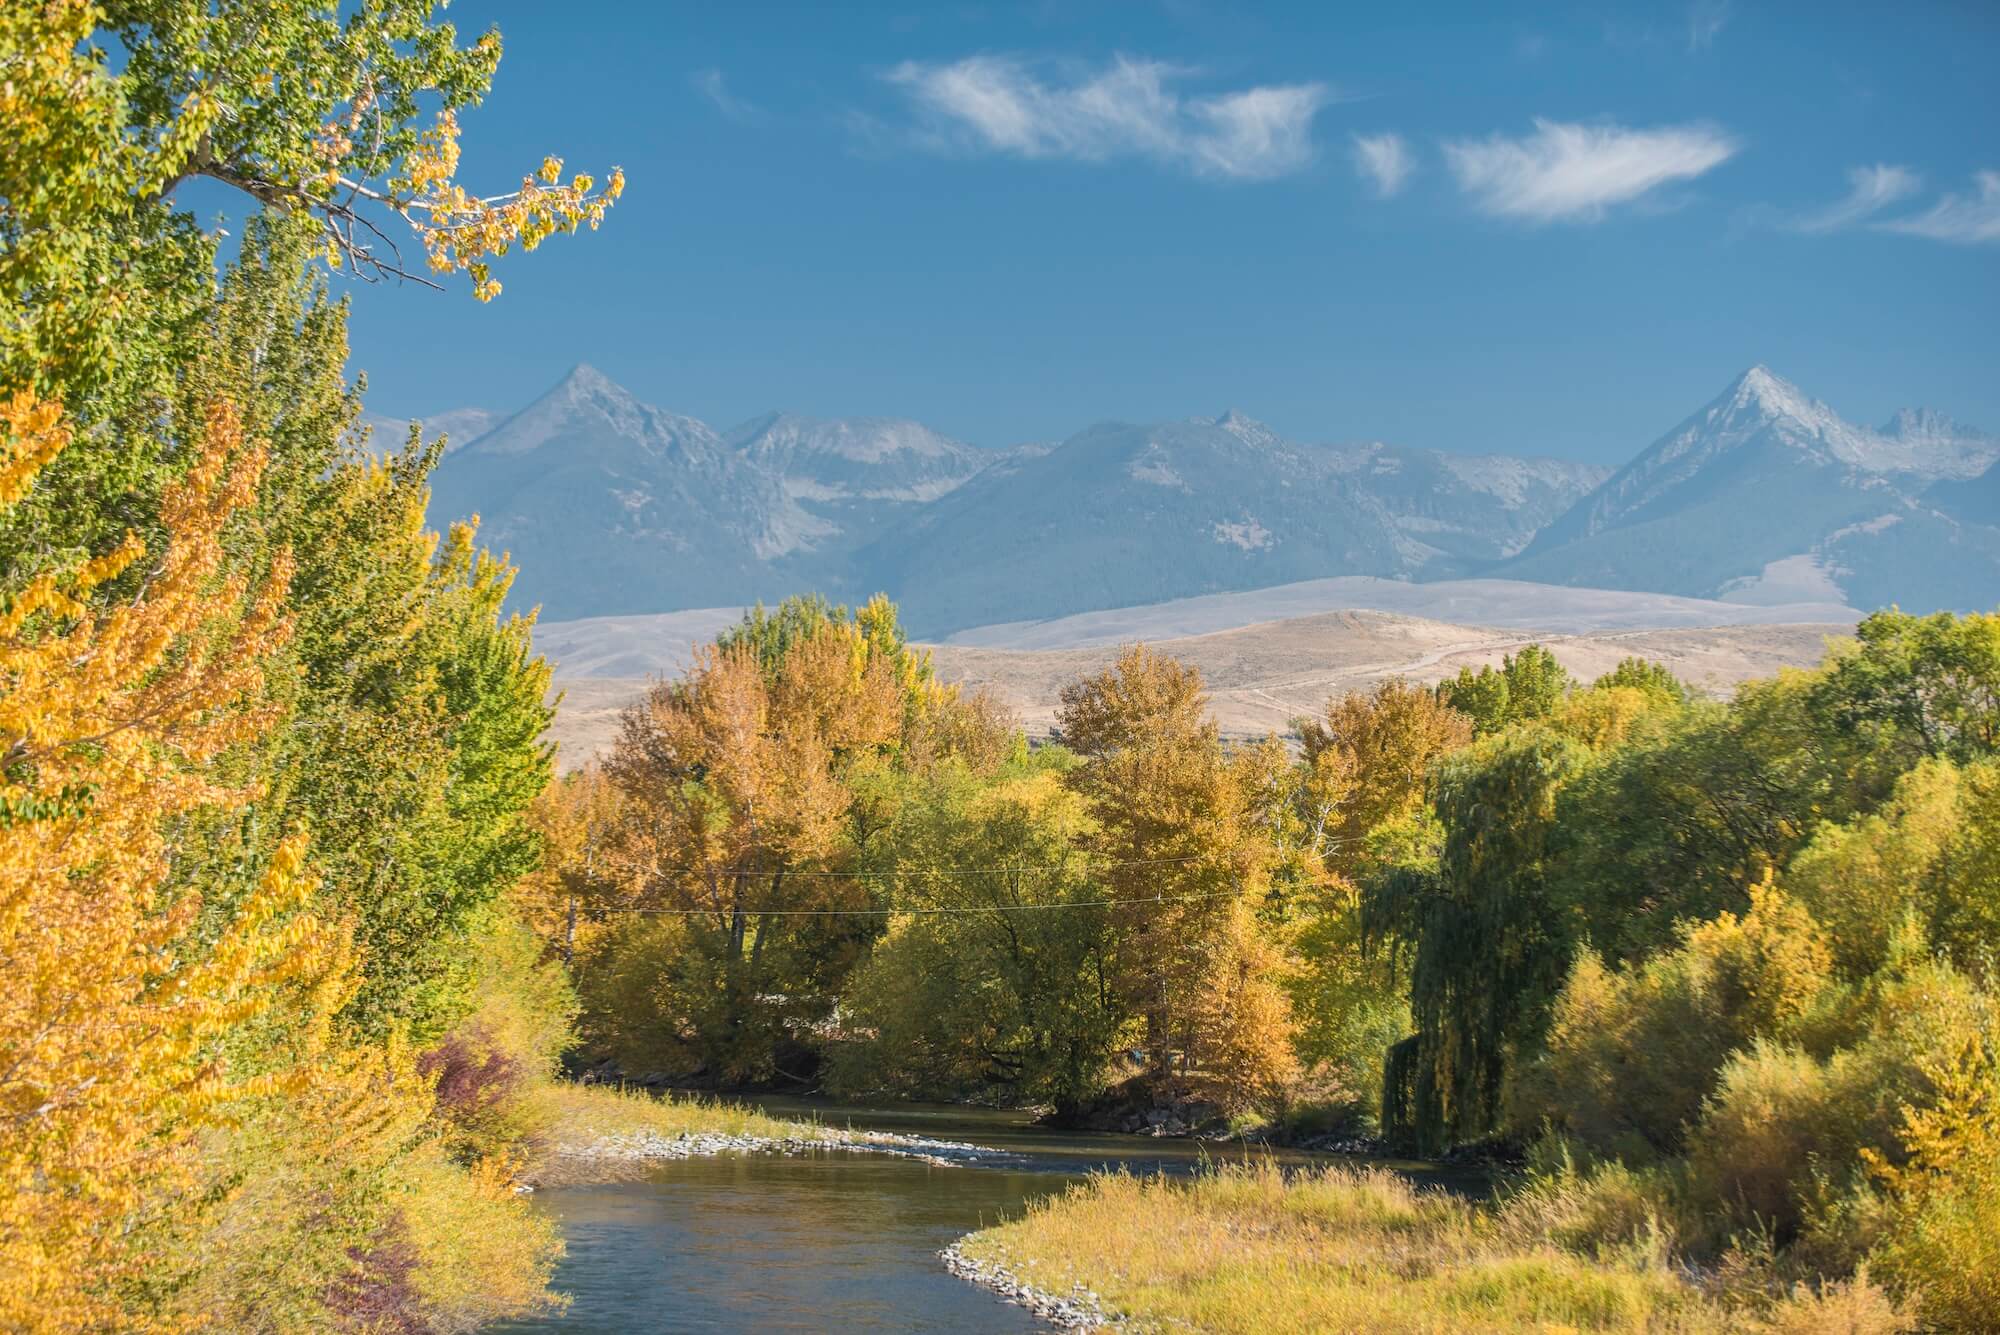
{"points": [[345, 121], [1643, 674], [1918, 686], [1527, 686], [1485, 943], [994, 979]]}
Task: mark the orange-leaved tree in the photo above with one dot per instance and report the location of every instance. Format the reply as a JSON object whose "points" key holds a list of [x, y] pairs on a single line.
{"points": [[737, 814]]}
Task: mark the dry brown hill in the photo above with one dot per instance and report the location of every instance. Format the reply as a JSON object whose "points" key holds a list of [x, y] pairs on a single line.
{"points": [[1262, 676]]}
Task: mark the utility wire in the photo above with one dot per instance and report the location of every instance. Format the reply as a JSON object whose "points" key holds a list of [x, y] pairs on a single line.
{"points": [[891, 874], [918, 912]]}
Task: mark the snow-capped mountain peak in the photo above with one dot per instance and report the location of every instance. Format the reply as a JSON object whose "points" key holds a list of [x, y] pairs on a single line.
{"points": [[588, 408], [1245, 428], [856, 458], [1760, 397], [1916, 441]]}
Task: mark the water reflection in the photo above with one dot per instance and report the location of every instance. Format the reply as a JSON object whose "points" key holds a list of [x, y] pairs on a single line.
{"points": [[825, 1242]]}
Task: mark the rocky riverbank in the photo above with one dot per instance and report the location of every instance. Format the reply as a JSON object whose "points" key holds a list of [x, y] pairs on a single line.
{"points": [[645, 1144], [1079, 1309]]}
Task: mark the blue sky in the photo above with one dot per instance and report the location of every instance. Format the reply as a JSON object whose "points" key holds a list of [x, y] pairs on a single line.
{"points": [[1548, 230]]}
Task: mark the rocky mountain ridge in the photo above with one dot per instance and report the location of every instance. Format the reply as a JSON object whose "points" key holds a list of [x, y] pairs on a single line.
{"points": [[615, 506]]}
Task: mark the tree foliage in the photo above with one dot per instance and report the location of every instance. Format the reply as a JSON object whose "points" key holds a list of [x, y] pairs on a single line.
{"points": [[247, 1080], [1487, 947], [1177, 826], [1527, 685], [111, 1026]]}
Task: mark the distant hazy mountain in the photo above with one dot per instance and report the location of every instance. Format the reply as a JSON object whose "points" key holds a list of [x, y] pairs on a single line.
{"points": [[1470, 510], [611, 505], [1768, 495], [855, 478], [1122, 514], [1977, 501], [1764, 497], [459, 426]]}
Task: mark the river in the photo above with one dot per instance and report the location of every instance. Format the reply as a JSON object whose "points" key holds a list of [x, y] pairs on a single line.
{"points": [[828, 1241]]}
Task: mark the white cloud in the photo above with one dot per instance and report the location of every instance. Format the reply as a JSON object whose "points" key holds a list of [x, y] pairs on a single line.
{"points": [[1962, 218], [1384, 161], [1706, 20], [1127, 108], [711, 85], [1870, 190], [1573, 173]]}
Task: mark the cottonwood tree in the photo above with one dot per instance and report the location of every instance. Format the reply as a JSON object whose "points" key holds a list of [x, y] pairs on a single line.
{"points": [[1186, 862], [343, 121], [992, 978], [735, 798]]}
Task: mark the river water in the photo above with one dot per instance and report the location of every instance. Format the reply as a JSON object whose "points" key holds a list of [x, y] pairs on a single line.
{"points": [[828, 1241]]}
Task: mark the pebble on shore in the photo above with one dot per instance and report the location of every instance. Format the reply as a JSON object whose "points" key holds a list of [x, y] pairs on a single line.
{"points": [[641, 1145], [1080, 1309]]}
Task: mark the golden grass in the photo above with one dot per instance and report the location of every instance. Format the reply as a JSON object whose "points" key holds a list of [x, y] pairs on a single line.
{"points": [[1246, 1249]]}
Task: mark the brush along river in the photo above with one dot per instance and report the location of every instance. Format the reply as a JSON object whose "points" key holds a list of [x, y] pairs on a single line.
{"points": [[832, 1240]]}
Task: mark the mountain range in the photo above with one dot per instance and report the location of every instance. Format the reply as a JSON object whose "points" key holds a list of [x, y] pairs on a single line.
{"points": [[1764, 496]]}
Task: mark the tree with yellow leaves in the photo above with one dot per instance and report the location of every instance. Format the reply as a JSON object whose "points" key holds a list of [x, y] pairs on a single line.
{"points": [[735, 816], [1185, 864], [114, 1009]]}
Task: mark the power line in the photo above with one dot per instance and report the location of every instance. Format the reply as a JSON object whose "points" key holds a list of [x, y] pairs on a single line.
{"points": [[915, 912], [891, 874]]}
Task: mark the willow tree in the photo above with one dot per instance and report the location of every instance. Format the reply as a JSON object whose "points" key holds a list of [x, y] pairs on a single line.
{"points": [[1358, 804], [1486, 946]]}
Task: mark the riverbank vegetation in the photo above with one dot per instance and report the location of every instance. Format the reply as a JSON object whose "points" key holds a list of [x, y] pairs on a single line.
{"points": [[1246, 1249], [1722, 969]]}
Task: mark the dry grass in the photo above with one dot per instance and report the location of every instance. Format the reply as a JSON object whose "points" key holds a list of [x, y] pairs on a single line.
{"points": [[1246, 1249]]}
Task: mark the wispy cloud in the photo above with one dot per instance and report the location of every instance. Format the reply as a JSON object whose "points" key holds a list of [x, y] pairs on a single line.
{"points": [[1706, 20], [1125, 109], [1384, 161], [1967, 219], [1575, 173], [1870, 190], [711, 85]]}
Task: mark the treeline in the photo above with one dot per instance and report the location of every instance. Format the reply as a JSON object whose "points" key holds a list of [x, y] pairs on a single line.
{"points": [[1723, 970], [268, 747]]}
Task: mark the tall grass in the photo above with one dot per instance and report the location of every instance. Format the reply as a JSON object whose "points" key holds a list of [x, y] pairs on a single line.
{"points": [[1247, 1249]]}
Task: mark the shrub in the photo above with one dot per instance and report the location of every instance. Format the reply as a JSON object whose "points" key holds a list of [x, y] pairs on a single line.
{"points": [[1781, 1131], [1610, 1211], [517, 1025], [1632, 1054]]}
